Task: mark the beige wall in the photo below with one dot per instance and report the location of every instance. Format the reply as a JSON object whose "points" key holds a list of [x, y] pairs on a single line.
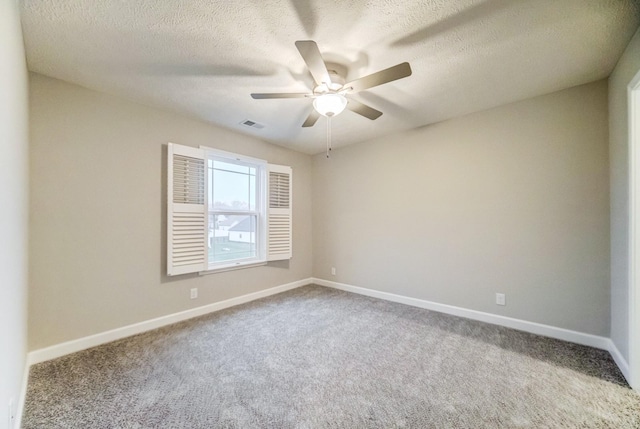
{"points": [[514, 199], [98, 214], [626, 69], [14, 190]]}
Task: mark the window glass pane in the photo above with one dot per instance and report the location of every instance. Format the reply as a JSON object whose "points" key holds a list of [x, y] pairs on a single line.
{"points": [[231, 237], [252, 192], [233, 187], [229, 166]]}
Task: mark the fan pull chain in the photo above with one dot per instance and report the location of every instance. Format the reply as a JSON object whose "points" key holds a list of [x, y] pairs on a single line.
{"points": [[328, 135]]}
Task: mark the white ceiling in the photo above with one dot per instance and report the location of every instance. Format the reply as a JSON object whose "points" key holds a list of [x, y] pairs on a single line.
{"points": [[203, 58]]}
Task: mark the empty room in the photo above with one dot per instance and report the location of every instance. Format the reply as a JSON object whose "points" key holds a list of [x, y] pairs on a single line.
{"points": [[320, 214]]}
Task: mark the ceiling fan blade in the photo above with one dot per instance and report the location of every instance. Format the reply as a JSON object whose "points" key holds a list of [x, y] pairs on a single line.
{"points": [[313, 58], [363, 109], [311, 119], [383, 76], [279, 95]]}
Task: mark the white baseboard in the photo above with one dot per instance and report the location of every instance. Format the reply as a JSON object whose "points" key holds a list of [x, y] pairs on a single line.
{"points": [[620, 361], [521, 325], [73, 346]]}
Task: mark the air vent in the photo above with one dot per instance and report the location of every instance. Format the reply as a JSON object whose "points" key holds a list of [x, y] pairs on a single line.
{"points": [[252, 124]]}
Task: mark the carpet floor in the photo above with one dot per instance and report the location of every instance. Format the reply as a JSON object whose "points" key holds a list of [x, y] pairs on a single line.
{"points": [[316, 357]]}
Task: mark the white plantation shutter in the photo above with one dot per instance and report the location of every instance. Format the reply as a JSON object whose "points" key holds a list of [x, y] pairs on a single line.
{"points": [[279, 210], [186, 210]]}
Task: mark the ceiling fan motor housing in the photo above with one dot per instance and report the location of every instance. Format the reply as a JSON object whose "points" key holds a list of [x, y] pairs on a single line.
{"points": [[336, 74]]}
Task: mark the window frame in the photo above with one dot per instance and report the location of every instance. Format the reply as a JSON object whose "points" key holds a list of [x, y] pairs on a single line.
{"points": [[187, 217], [260, 210]]}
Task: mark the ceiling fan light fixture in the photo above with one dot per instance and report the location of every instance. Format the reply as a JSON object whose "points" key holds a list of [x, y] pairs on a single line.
{"points": [[330, 104]]}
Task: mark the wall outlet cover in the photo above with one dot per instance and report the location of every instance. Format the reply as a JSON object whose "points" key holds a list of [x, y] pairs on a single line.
{"points": [[12, 413]]}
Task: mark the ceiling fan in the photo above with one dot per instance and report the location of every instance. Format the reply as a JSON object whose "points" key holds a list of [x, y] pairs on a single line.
{"points": [[330, 92]]}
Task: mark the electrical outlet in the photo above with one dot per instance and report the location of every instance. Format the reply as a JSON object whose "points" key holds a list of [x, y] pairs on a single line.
{"points": [[12, 414], [194, 293], [501, 299], [333, 271]]}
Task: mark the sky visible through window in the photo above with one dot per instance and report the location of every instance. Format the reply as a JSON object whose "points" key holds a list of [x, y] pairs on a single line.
{"points": [[231, 186]]}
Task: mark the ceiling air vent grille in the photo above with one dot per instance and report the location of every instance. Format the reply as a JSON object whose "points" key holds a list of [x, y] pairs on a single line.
{"points": [[252, 124]]}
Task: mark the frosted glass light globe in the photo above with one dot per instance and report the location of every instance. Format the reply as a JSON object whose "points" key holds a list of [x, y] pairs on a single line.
{"points": [[330, 104]]}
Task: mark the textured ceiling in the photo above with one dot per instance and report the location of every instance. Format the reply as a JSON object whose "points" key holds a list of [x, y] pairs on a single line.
{"points": [[203, 58]]}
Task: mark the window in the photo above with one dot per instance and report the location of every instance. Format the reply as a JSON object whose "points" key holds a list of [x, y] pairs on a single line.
{"points": [[225, 210], [236, 209]]}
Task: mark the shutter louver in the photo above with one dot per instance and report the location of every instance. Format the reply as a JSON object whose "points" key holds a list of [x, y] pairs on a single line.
{"points": [[188, 180], [186, 215], [187, 238], [278, 190], [279, 235]]}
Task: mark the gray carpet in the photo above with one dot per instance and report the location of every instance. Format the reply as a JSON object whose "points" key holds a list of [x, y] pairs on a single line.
{"points": [[320, 358]]}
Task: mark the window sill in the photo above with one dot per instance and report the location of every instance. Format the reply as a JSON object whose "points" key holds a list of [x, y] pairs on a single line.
{"points": [[232, 267]]}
